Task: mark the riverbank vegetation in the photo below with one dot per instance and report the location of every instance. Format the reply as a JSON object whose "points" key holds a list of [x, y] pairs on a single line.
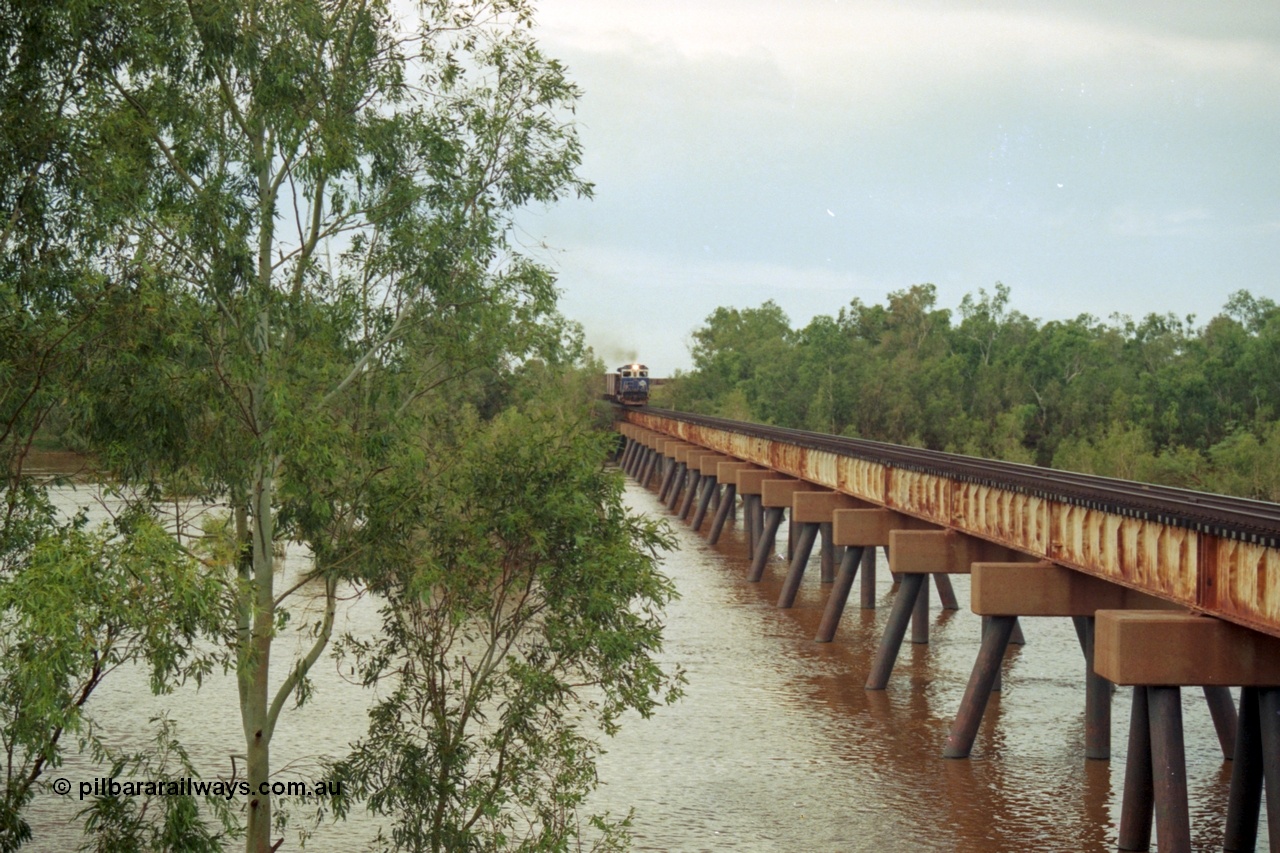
{"points": [[1162, 399], [260, 255]]}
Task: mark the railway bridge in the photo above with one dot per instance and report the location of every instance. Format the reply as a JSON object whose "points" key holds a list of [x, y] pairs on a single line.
{"points": [[1167, 588]]}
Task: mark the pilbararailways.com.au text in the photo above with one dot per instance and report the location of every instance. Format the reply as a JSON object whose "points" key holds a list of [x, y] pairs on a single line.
{"points": [[104, 786]]}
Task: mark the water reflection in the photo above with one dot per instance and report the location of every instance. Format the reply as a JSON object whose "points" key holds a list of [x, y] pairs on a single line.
{"points": [[778, 747]]}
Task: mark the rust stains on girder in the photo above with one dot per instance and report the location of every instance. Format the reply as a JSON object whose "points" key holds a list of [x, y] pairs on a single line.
{"points": [[1016, 519], [1159, 558], [1200, 566], [1241, 580], [922, 495]]}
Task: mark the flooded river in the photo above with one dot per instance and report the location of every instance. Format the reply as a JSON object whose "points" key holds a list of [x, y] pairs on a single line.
{"points": [[776, 746]]}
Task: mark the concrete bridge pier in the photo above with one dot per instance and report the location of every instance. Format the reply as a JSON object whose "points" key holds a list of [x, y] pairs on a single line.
{"points": [[669, 449], [1158, 652], [1003, 592], [726, 473], [865, 530], [776, 495], [708, 464], [694, 479], [651, 465], [913, 555], [680, 482], [750, 486], [811, 512]]}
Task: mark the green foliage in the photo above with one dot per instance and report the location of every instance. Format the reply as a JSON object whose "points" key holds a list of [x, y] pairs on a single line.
{"points": [[82, 603], [524, 615], [167, 815], [1157, 400], [243, 244]]}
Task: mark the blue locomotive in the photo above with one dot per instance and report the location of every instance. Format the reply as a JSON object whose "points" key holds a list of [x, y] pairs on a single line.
{"points": [[629, 385]]}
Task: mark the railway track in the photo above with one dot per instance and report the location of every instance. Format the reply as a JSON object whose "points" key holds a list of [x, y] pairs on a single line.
{"points": [[1217, 515]]}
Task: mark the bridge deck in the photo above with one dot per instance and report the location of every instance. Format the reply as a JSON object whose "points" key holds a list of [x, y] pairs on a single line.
{"points": [[1209, 553]]}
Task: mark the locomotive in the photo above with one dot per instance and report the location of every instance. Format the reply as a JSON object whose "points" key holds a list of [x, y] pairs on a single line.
{"points": [[629, 385]]}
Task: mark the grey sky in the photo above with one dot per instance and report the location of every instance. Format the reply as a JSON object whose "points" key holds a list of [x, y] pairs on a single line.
{"points": [[1096, 157]]}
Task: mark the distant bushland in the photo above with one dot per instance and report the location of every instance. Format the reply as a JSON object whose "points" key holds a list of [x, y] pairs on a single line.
{"points": [[1161, 399]]}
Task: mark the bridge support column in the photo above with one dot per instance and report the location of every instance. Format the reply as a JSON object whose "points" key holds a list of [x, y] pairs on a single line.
{"points": [[1222, 708], [799, 561], [772, 521], [651, 463], [828, 553], [668, 450], [727, 473], [995, 640], [726, 509], [1156, 773], [752, 520], [709, 487], [668, 474], [894, 631], [776, 492], [812, 511], [1158, 652], [686, 462], [946, 594], [642, 460], [707, 464], [913, 555], [849, 561], [1097, 696], [691, 490], [677, 484], [1257, 757], [627, 454], [868, 591], [920, 616], [865, 529], [1138, 802]]}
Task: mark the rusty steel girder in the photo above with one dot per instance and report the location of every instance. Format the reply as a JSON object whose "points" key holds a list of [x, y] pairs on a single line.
{"points": [[1209, 553]]}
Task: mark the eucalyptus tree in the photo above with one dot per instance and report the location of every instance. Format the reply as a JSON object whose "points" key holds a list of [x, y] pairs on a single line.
{"points": [[315, 235], [78, 601], [521, 619]]}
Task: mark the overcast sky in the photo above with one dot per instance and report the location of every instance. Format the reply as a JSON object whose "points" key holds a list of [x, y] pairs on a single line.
{"points": [[1096, 157]]}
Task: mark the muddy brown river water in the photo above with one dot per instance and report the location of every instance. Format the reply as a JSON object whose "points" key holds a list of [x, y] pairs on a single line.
{"points": [[777, 746]]}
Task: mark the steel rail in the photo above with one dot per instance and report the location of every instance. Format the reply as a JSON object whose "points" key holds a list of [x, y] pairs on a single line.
{"points": [[1217, 515]]}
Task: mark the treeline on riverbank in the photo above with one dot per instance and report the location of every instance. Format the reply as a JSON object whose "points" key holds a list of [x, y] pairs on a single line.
{"points": [[1159, 400]]}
